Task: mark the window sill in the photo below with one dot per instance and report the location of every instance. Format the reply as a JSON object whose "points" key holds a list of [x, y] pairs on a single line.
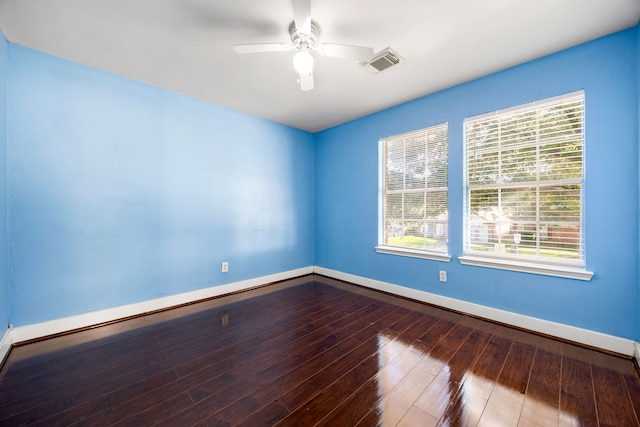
{"points": [[528, 267], [395, 250]]}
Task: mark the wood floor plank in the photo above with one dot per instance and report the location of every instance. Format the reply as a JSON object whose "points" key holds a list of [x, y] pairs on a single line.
{"points": [[437, 357], [417, 417], [577, 402], [83, 389], [69, 413], [396, 403], [432, 336], [316, 383], [322, 404], [612, 400], [355, 407], [465, 409], [372, 419], [632, 381], [405, 319], [268, 415], [507, 397], [502, 408], [517, 368], [125, 408], [466, 355], [542, 401], [395, 343], [88, 361], [227, 394], [487, 367], [152, 412], [460, 407]]}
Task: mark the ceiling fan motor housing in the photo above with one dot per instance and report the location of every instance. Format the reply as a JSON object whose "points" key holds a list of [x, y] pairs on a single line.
{"points": [[298, 39]]}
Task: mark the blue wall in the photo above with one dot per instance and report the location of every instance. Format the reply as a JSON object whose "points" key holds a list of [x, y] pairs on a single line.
{"points": [[346, 198], [120, 192], [638, 136], [4, 290]]}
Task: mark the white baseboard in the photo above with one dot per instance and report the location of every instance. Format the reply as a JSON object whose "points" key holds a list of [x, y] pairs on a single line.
{"points": [[5, 345], [591, 338], [583, 336], [39, 330]]}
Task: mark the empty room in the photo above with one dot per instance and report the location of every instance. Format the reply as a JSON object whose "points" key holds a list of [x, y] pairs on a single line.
{"points": [[305, 212]]}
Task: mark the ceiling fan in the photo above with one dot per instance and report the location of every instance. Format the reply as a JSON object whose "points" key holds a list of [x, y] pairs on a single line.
{"points": [[304, 39]]}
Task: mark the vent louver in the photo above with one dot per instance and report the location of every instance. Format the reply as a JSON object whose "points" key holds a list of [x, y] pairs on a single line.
{"points": [[383, 60]]}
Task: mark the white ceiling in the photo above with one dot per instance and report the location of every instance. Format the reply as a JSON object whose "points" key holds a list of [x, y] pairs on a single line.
{"points": [[186, 46]]}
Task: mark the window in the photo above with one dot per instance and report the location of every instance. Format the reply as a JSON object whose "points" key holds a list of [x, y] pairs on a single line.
{"points": [[414, 211], [524, 188]]}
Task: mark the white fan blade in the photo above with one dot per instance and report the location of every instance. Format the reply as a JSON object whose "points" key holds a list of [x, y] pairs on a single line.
{"points": [[358, 53], [262, 47], [306, 81], [302, 16]]}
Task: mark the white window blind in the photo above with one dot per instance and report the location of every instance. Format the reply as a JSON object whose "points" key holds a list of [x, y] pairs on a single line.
{"points": [[524, 182], [415, 190]]}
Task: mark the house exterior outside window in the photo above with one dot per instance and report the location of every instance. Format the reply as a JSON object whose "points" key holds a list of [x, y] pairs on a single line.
{"points": [[524, 182], [414, 217]]}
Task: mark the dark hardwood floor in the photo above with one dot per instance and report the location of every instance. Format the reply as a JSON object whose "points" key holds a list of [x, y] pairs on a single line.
{"points": [[314, 352]]}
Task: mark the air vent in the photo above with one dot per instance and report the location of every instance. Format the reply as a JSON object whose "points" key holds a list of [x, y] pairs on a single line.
{"points": [[382, 61]]}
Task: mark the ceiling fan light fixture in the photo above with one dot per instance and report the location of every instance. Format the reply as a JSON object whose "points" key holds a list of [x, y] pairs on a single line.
{"points": [[303, 62], [304, 33]]}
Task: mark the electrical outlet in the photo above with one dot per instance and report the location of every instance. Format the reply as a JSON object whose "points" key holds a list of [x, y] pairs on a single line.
{"points": [[443, 276], [225, 267]]}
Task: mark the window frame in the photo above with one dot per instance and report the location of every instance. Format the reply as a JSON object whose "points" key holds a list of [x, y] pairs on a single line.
{"points": [[384, 248], [561, 267]]}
